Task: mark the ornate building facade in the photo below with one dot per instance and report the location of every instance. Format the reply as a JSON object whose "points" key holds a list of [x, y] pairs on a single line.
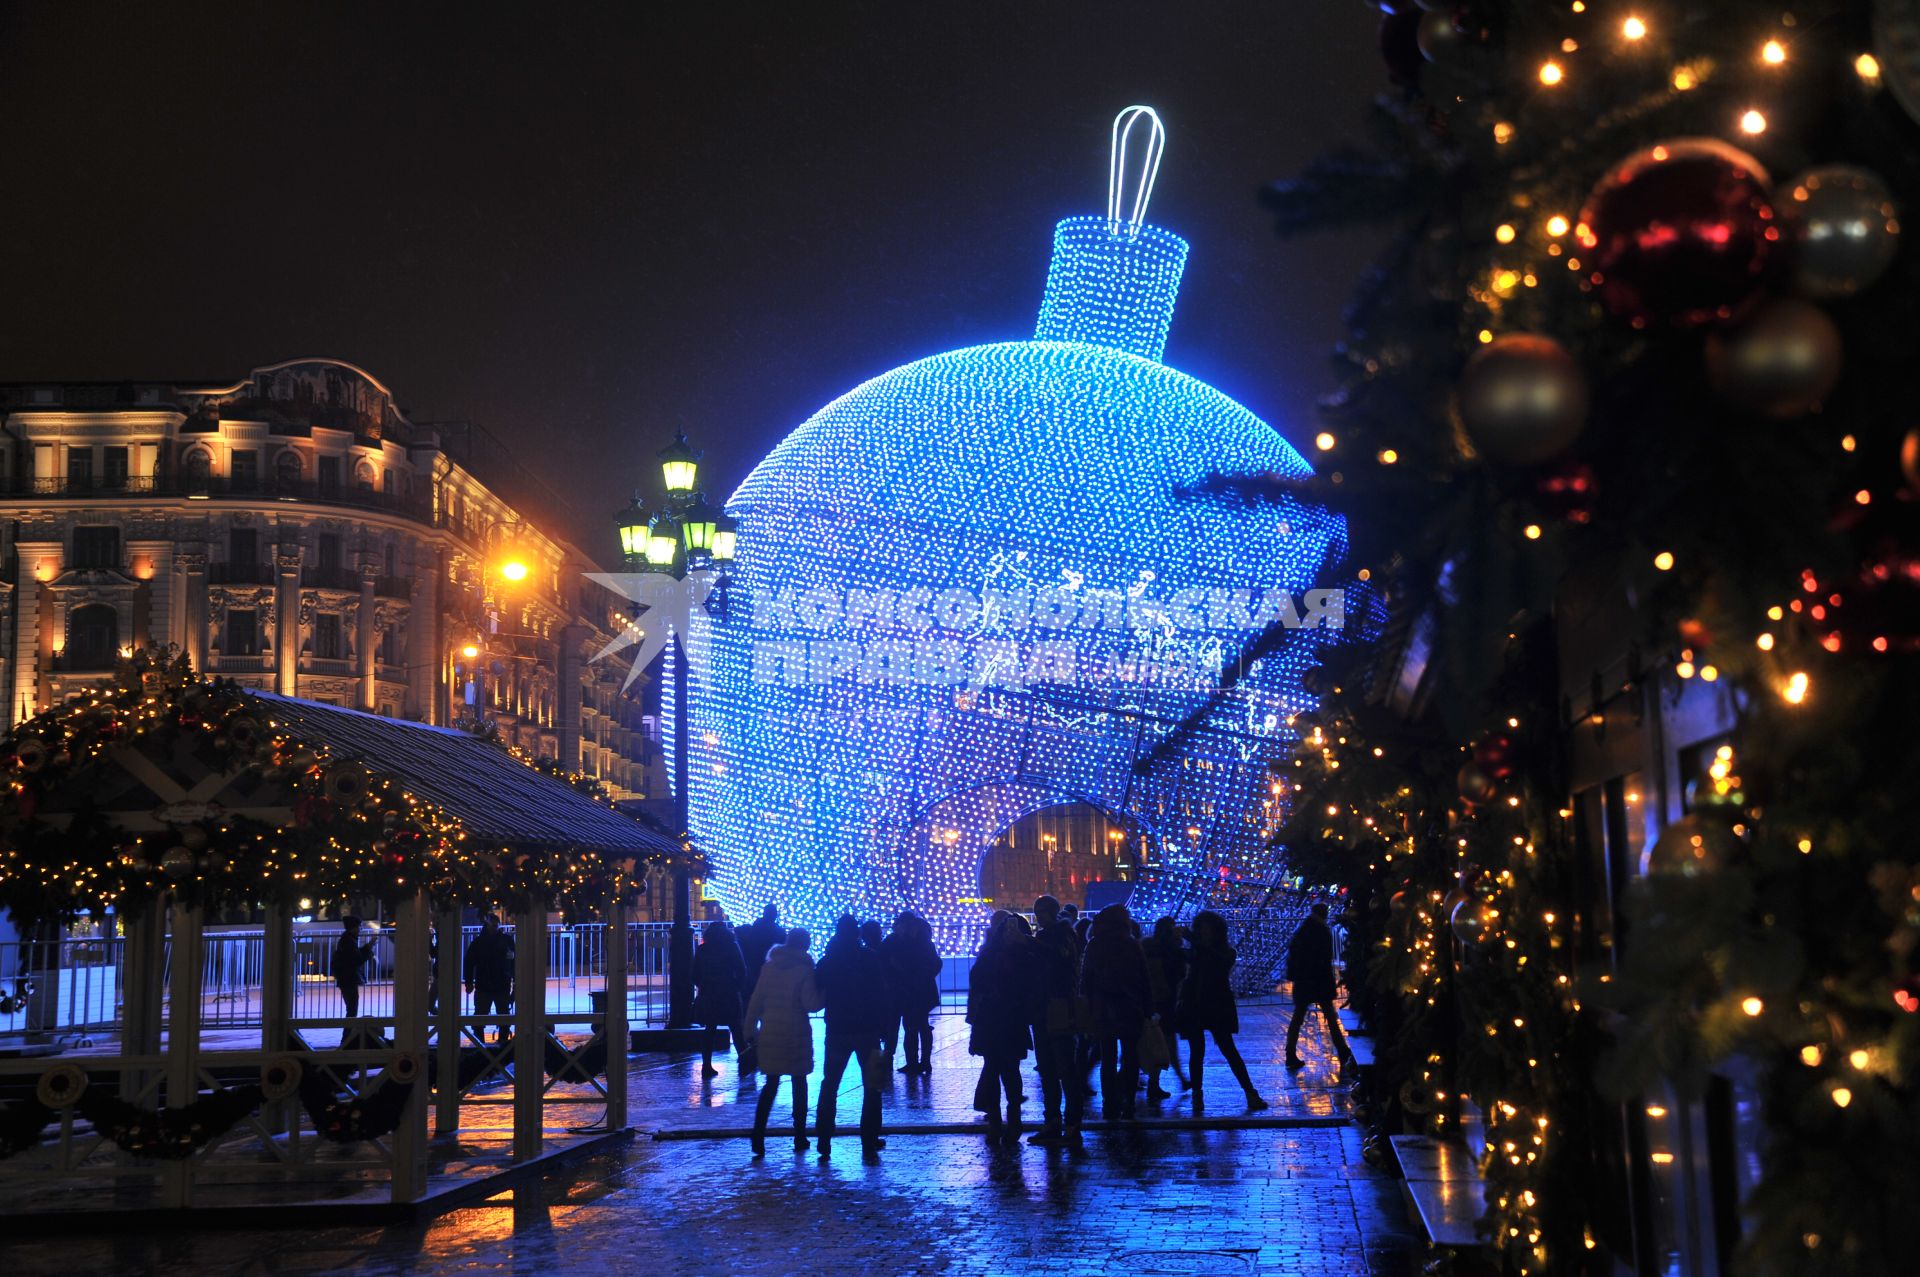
{"points": [[295, 531]]}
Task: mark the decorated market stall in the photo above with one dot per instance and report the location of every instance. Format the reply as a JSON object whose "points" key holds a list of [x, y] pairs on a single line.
{"points": [[167, 797]]}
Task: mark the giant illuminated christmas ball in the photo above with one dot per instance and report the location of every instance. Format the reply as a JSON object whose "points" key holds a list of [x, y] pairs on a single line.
{"points": [[984, 584]]}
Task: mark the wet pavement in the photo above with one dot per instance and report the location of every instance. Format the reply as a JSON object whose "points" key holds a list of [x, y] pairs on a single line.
{"points": [[1290, 1194]]}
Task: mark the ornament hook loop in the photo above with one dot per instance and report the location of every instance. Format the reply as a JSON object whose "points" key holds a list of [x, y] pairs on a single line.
{"points": [[1149, 168]]}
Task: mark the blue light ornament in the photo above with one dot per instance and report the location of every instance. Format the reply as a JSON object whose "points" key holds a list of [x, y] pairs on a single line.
{"points": [[979, 585]]}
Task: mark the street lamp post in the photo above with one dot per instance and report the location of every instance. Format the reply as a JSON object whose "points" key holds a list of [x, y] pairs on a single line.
{"points": [[513, 570], [685, 538]]}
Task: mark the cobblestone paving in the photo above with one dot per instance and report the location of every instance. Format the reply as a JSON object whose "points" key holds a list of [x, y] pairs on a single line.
{"points": [[1272, 1200]]}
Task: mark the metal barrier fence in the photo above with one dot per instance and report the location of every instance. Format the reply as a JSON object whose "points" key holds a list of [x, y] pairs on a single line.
{"points": [[77, 982]]}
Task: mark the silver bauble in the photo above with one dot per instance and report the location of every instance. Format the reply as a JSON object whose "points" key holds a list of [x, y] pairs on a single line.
{"points": [[1843, 226], [1781, 363], [1522, 399]]}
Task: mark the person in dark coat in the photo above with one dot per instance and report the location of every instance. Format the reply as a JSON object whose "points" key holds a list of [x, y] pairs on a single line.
{"points": [[1207, 1005], [998, 1001], [1310, 968], [1119, 995], [720, 984], [853, 986], [780, 1032], [489, 974], [915, 966], [1166, 969], [350, 958], [1055, 989], [757, 939]]}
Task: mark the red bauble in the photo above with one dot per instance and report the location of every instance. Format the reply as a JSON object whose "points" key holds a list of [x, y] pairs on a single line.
{"points": [[1879, 610], [1494, 755], [1566, 491], [1682, 233]]}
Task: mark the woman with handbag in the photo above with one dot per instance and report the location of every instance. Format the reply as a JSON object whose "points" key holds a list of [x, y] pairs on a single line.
{"points": [[1207, 1004], [782, 1034], [1166, 968]]}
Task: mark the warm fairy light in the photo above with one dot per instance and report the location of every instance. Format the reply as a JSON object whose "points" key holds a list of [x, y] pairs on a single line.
{"points": [[1502, 133], [1806, 846], [1709, 673], [1776, 613], [1504, 233], [1551, 73], [1773, 53], [1684, 669], [1664, 560], [1504, 280], [1486, 336], [1323, 441], [1752, 1006], [1848, 443], [1558, 225], [1842, 1096], [1859, 1059], [1796, 689], [1683, 78], [1388, 456], [1867, 67], [1753, 123], [1633, 28], [1863, 497], [1531, 532], [1764, 642], [1811, 1056]]}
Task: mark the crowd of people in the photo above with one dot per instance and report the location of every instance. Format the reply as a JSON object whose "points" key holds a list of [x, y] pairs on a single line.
{"points": [[1079, 993]]}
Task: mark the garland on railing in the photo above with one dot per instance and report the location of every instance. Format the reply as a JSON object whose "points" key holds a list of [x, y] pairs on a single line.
{"points": [[168, 1134], [17, 1000], [373, 1113]]}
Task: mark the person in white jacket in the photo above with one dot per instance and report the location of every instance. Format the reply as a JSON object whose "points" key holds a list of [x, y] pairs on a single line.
{"points": [[782, 1035]]}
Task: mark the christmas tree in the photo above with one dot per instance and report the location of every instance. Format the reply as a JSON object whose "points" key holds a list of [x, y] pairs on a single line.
{"points": [[1646, 330]]}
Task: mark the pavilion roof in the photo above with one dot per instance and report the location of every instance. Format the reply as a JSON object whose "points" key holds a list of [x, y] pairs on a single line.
{"points": [[491, 793]]}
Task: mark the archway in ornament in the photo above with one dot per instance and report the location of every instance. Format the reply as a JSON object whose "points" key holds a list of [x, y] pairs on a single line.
{"points": [[1075, 852], [950, 848]]}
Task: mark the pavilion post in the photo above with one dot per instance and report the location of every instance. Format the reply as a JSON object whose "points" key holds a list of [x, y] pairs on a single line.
{"points": [[613, 1024], [529, 1033], [183, 1039], [142, 991], [410, 1037], [276, 999], [450, 981]]}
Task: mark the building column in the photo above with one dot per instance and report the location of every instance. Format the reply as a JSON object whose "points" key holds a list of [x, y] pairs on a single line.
{"points": [[364, 641], [286, 619], [40, 561], [426, 644], [566, 710], [193, 605]]}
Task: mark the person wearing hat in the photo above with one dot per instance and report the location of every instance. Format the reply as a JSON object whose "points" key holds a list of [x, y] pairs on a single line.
{"points": [[350, 958]]}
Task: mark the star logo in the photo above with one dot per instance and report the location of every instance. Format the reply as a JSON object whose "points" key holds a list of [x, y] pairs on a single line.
{"points": [[663, 605]]}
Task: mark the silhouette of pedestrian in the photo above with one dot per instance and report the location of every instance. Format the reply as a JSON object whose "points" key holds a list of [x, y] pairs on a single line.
{"points": [[852, 978], [915, 966], [756, 939], [350, 958], [781, 1034], [1310, 968], [1166, 969], [997, 1009], [1114, 979], [1207, 1005], [720, 983], [489, 974], [1055, 989]]}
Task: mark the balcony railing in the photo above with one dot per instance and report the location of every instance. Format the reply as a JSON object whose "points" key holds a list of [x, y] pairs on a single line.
{"points": [[330, 578], [417, 508], [259, 573]]}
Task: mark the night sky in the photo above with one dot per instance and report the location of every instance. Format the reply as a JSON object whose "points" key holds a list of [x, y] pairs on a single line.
{"points": [[583, 226]]}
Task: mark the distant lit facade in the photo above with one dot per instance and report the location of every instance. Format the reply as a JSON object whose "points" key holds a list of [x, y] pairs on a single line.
{"points": [[295, 532]]}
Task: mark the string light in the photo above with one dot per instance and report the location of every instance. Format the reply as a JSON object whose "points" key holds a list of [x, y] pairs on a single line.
{"points": [[1664, 560], [1531, 532], [1551, 73], [903, 616], [1773, 53], [1557, 225], [1504, 233], [1796, 689], [1684, 79], [1634, 28], [1753, 123], [1867, 67]]}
